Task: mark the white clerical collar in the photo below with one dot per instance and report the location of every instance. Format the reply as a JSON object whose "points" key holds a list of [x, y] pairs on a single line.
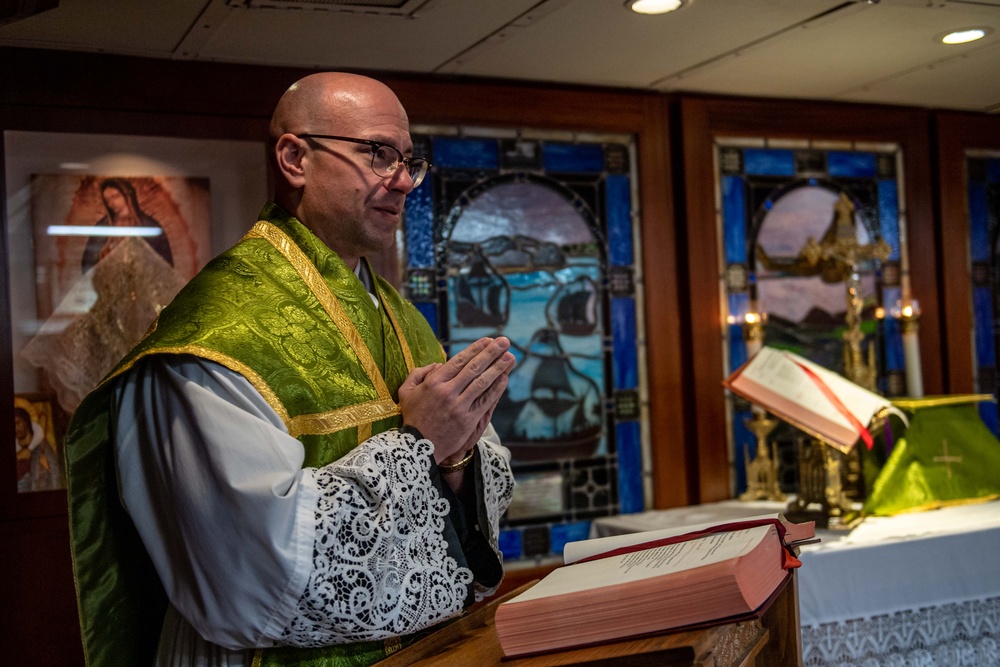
{"points": [[361, 271]]}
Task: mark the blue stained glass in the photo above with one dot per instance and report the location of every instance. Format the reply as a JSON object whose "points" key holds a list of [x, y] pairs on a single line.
{"points": [[420, 227], [993, 170], [739, 305], [734, 219], [894, 356], [850, 164], [630, 497], [746, 444], [623, 332], [988, 413], [618, 195], [466, 153], [982, 305], [769, 162], [888, 213], [979, 235], [737, 347], [562, 533], [573, 157], [429, 309], [510, 544], [895, 359]]}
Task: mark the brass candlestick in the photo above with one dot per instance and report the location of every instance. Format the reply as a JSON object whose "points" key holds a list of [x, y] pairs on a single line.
{"points": [[762, 472]]}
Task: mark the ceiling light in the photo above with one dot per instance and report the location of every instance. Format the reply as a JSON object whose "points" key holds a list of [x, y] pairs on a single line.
{"points": [[653, 6], [965, 35]]}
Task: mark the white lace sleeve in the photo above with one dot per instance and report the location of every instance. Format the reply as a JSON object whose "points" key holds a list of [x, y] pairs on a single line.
{"points": [[381, 563], [495, 489]]}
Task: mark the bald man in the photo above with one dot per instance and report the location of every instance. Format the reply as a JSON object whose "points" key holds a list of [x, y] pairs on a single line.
{"points": [[286, 470]]}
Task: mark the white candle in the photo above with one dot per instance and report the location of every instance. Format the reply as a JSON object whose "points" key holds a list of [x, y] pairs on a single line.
{"points": [[909, 313], [911, 352], [754, 333]]}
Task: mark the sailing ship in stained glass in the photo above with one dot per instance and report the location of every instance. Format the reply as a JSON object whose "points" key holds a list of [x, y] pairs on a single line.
{"points": [[541, 261], [533, 239]]}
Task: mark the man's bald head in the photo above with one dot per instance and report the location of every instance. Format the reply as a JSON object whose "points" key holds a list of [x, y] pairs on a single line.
{"points": [[321, 102]]}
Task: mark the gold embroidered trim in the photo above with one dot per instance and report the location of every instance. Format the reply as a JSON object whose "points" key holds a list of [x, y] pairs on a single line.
{"points": [[341, 418], [319, 288], [407, 355], [936, 401], [939, 504], [232, 364], [364, 432], [258, 656]]}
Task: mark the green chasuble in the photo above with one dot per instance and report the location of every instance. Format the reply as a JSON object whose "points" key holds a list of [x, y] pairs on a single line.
{"points": [[285, 312], [945, 456]]}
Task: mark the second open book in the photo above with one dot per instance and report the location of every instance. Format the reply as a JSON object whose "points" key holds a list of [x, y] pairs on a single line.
{"points": [[653, 582], [812, 398]]}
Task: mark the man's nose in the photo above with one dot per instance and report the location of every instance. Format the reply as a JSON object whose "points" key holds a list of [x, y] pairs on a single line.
{"points": [[400, 180]]}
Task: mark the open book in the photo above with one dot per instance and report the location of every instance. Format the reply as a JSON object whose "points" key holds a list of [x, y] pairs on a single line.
{"points": [[695, 576], [814, 399]]}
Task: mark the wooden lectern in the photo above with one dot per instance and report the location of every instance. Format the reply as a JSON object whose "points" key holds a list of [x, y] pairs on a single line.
{"points": [[774, 640]]}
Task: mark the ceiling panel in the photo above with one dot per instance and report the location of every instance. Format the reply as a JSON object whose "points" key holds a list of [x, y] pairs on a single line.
{"points": [[358, 41], [971, 81], [121, 26], [601, 42], [862, 50], [846, 51]]}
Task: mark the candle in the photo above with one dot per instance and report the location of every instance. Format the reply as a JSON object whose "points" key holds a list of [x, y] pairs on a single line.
{"points": [[753, 336], [908, 316], [753, 333]]}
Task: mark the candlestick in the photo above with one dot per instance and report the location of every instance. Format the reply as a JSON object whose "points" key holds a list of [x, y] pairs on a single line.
{"points": [[753, 332], [753, 336], [908, 315]]}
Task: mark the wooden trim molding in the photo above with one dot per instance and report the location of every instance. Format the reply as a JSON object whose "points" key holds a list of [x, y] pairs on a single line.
{"points": [[958, 133]]}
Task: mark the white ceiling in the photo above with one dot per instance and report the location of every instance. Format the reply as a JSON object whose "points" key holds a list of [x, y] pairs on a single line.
{"points": [[884, 51]]}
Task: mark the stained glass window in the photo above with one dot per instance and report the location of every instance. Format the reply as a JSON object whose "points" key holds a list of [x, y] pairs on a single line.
{"points": [[533, 238], [777, 203], [983, 173]]}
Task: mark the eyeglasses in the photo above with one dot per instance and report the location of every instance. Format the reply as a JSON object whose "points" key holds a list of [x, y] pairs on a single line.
{"points": [[385, 158]]}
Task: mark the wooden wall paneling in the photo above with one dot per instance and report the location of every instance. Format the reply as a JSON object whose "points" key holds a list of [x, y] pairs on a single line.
{"points": [[40, 625], [956, 133], [703, 119]]}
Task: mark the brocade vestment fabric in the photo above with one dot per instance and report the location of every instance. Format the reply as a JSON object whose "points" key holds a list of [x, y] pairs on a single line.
{"points": [[324, 363]]}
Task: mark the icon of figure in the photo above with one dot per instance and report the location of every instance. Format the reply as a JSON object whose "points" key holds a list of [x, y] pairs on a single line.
{"points": [[36, 460], [121, 209]]}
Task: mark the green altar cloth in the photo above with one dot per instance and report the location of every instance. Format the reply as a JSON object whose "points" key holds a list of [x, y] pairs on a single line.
{"points": [[945, 456]]}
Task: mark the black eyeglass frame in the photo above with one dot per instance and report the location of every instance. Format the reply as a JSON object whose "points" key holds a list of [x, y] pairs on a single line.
{"points": [[375, 146]]}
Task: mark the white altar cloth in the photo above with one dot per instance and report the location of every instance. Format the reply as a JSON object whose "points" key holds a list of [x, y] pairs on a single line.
{"points": [[914, 589]]}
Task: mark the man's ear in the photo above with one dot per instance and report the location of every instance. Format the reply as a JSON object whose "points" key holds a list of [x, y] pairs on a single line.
{"points": [[289, 153]]}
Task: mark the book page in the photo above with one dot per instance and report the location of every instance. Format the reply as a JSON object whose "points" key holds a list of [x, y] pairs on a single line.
{"points": [[778, 371], [647, 563], [577, 551]]}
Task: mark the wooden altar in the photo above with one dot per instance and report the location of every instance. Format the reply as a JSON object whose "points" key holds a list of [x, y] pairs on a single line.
{"points": [[770, 641]]}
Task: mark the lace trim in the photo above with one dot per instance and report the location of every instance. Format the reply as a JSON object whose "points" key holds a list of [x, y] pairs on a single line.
{"points": [[952, 635], [498, 490], [380, 561]]}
